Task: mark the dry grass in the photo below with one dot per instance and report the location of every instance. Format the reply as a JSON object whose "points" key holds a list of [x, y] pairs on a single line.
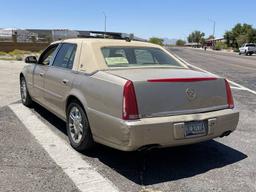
{"points": [[16, 54]]}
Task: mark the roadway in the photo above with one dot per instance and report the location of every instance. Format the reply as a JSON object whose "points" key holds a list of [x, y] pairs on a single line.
{"points": [[238, 68]]}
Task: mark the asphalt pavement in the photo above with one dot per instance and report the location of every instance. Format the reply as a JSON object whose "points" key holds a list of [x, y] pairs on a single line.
{"points": [[223, 164], [238, 68]]}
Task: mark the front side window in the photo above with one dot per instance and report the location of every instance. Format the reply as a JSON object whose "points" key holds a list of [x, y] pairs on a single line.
{"points": [[47, 56], [137, 56], [65, 56]]}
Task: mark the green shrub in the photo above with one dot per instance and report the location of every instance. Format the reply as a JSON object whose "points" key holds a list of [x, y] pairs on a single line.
{"points": [[156, 40], [220, 45], [180, 42]]}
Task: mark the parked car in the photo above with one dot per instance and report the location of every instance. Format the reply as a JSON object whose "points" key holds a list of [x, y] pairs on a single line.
{"points": [[247, 49], [128, 95]]}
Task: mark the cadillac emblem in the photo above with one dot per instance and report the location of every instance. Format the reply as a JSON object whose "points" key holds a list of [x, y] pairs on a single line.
{"points": [[191, 94]]}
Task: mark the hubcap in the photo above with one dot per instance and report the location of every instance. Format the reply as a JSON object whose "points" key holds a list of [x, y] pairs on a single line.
{"points": [[23, 90], [75, 124]]}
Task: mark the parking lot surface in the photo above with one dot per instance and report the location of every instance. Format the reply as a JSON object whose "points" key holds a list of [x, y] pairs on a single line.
{"points": [[223, 164]]}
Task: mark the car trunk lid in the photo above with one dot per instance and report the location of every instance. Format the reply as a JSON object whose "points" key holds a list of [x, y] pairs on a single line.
{"points": [[164, 92]]}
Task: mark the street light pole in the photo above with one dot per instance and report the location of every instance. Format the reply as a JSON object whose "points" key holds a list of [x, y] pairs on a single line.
{"points": [[213, 31], [214, 26], [105, 24]]}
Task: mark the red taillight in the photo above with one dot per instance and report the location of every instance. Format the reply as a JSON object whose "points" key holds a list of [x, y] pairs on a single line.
{"points": [[229, 95], [175, 80], [130, 108]]}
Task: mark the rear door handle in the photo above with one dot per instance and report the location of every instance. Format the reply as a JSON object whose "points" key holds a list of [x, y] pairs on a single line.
{"points": [[41, 74], [65, 81]]}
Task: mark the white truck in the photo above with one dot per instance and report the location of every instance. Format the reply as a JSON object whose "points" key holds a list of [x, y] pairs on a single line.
{"points": [[247, 49]]}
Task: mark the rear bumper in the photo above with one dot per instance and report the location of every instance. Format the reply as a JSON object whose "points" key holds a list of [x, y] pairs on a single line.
{"points": [[165, 131]]}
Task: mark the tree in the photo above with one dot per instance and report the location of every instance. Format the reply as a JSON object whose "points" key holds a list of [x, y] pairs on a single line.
{"points": [[241, 39], [156, 40], [210, 37], [228, 36], [202, 41], [239, 34], [196, 37], [180, 42], [220, 45]]}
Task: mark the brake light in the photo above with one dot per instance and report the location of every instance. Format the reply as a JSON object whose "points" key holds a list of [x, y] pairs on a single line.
{"points": [[130, 108], [175, 80], [229, 95]]}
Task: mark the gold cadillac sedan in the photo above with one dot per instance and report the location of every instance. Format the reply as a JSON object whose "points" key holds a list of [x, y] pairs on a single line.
{"points": [[128, 95]]}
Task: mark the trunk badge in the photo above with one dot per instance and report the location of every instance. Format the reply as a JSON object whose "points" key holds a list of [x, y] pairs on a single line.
{"points": [[191, 94]]}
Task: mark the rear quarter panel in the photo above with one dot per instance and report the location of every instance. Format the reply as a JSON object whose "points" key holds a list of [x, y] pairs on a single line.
{"points": [[101, 94]]}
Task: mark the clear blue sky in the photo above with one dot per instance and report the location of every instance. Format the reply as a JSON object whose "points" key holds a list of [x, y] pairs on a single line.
{"points": [[145, 18]]}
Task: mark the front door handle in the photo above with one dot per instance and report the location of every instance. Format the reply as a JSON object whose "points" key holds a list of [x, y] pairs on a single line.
{"points": [[41, 74], [65, 81]]}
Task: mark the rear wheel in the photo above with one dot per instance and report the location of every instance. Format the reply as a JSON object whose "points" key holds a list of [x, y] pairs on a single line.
{"points": [[78, 128], [25, 97]]}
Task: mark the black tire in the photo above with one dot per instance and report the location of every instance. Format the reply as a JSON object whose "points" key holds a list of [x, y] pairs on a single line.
{"points": [[86, 142], [25, 96], [239, 53]]}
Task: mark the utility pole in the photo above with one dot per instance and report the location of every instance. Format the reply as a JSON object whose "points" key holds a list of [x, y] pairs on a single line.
{"points": [[105, 23]]}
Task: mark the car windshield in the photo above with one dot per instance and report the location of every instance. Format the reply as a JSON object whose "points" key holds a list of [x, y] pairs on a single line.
{"points": [[137, 57]]}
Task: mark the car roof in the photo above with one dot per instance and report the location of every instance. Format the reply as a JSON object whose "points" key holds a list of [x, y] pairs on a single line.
{"points": [[102, 42], [92, 59]]}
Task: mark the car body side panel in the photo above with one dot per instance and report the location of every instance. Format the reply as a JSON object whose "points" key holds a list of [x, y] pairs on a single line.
{"points": [[28, 74], [101, 93], [58, 83], [39, 82]]}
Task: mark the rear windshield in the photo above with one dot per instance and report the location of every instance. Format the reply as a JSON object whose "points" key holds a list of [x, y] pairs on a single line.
{"points": [[250, 45], [137, 56]]}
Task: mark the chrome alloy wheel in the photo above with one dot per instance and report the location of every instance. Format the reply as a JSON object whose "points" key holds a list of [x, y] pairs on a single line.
{"points": [[23, 90], [76, 125]]}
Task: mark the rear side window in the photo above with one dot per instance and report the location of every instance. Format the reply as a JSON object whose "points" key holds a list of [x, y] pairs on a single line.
{"points": [[65, 56], [250, 45]]}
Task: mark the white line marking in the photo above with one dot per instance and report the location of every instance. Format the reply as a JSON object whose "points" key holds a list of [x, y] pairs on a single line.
{"points": [[238, 86], [85, 177]]}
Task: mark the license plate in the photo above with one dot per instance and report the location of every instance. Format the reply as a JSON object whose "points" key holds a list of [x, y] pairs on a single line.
{"points": [[195, 128]]}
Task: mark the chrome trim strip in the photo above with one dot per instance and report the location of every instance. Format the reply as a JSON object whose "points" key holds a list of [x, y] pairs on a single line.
{"points": [[184, 112]]}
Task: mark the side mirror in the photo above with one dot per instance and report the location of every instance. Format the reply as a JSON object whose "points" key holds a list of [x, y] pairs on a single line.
{"points": [[31, 59]]}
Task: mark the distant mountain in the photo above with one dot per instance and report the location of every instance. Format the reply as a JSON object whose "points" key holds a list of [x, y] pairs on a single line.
{"points": [[169, 41]]}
